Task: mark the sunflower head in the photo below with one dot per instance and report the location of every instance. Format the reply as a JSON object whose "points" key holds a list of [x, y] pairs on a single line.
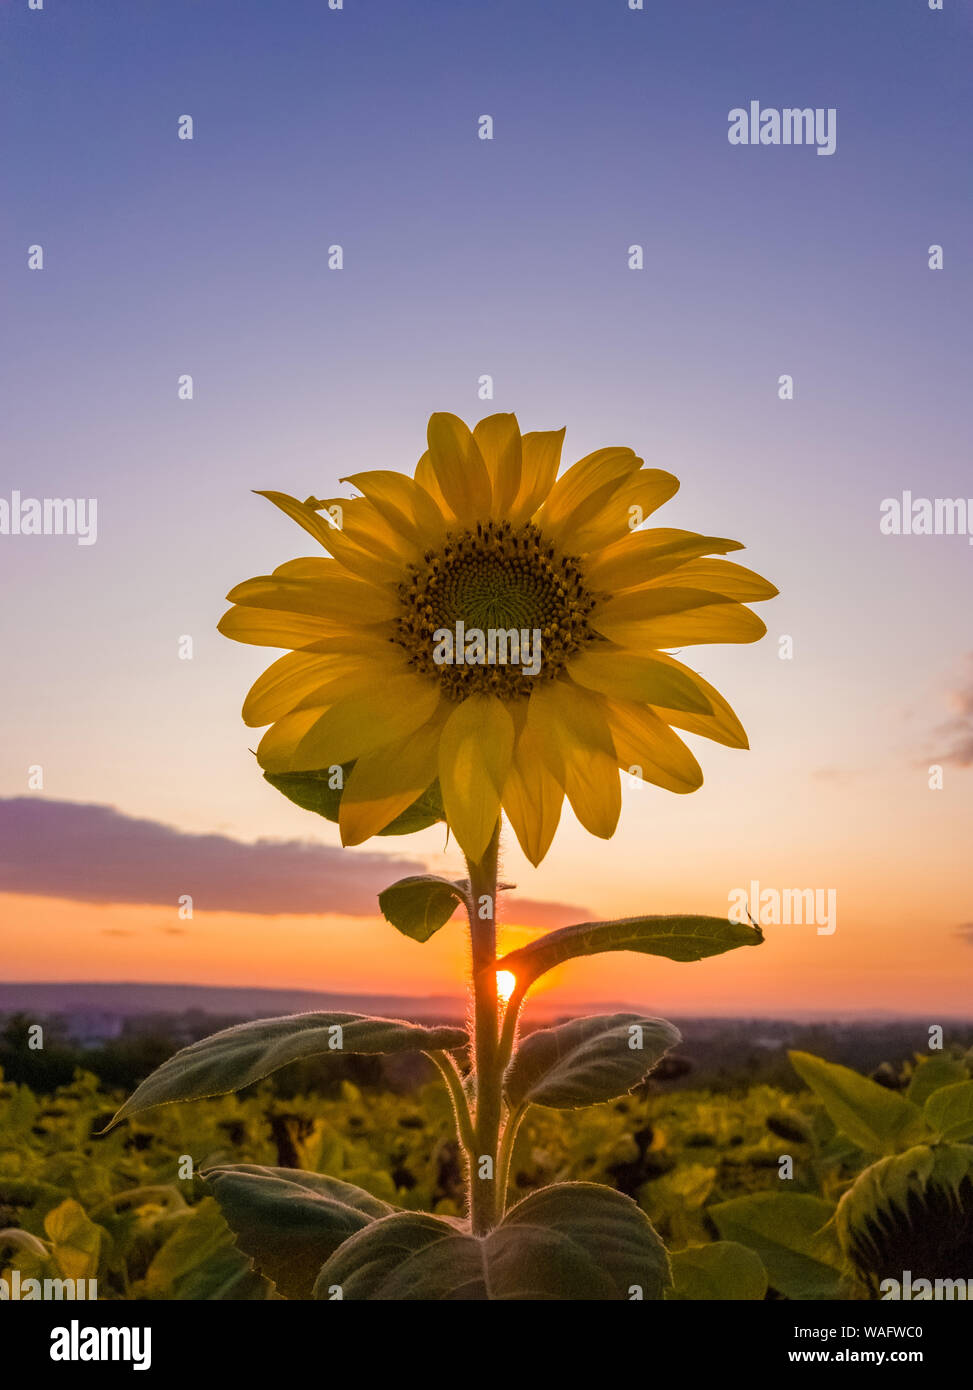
{"points": [[912, 1211], [496, 631]]}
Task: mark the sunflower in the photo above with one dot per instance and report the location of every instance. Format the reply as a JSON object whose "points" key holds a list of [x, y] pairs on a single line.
{"points": [[485, 534]]}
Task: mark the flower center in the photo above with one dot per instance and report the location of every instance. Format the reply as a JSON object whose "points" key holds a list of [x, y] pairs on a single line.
{"points": [[481, 588]]}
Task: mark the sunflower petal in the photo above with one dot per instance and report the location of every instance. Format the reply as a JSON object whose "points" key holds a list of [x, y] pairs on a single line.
{"points": [[380, 712], [721, 577], [629, 503], [474, 758], [284, 685], [722, 726], [673, 617], [264, 627], [644, 741], [498, 440], [458, 466], [386, 782], [540, 460], [644, 679], [338, 597], [407, 507], [576, 745], [645, 555], [532, 798], [586, 485]]}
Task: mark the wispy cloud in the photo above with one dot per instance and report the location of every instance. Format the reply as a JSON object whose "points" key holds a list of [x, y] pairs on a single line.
{"points": [[957, 732], [965, 930], [96, 854]]}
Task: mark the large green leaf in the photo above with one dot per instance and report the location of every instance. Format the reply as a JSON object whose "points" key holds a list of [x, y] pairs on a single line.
{"points": [[587, 1060], [420, 905], [678, 938], [878, 1120], [312, 792], [290, 1222], [949, 1111], [932, 1072], [200, 1262], [568, 1241], [790, 1231], [722, 1272], [237, 1056]]}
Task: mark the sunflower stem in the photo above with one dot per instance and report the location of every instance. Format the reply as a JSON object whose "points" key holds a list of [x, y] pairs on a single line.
{"points": [[483, 939]]}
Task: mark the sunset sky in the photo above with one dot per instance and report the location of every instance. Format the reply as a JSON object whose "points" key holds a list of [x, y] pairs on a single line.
{"points": [[465, 257]]}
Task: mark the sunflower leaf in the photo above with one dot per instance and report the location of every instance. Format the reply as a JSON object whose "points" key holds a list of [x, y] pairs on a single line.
{"points": [[586, 1060], [678, 938], [418, 906], [289, 1222], [569, 1241], [313, 791], [949, 1111], [723, 1271], [235, 1057], [873, 1117], [793, 1234]]}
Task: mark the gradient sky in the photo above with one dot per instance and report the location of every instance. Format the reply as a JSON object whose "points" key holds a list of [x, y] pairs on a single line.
{"points": [[508, 257]]}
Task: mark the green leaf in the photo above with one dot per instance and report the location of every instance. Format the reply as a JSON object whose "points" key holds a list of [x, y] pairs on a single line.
{"points": [[931, 1073], [237, 1056], [312, 792], [76, 1240], [678, 938], [420, 905], [873, 1117], [722, 1272], [200, 1261], [587, 1060], [290, 1222], [790, 1231], [949, 1111], [568, 1241]]}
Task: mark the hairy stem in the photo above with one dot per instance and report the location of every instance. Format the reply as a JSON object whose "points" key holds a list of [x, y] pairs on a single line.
{"points": [[506, 1155], [454, 1085], [483, 938]]}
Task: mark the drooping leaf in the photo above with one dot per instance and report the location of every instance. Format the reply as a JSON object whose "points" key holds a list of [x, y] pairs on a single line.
{"points": [[290, 1222], [587, 1060], [237, 1056], [420, 905], [790, 1231], [568, 1241], [312, 792], [75, 1238], [878, 1120], [932, 1072], [682, 938], [721, 1272], [949, 1111]]}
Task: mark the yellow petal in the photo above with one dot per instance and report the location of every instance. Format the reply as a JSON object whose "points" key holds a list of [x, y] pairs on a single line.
{"points": [[532, 798], [674, 617], [474, 759], [644, 555], [540, 460], [645, 742], [573, 735], [284, 685], [315, 524], [338, 598], [380, 712], [584, 487], [364, 543], [722, 725], [498, 440], [386, 782], [263, 627], [645, 679], [721, 577], [459, 468], [630, 502], [408, 508]]}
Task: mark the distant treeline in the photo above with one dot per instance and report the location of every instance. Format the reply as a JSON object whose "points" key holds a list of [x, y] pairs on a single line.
{"points": [[728, 1055]]}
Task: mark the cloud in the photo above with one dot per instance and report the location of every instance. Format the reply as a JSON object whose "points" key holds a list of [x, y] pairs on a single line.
{"points": [[965, 930], [95, 854], [958, 729]]}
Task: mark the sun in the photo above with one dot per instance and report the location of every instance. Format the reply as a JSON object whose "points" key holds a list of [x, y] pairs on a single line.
{"points": [[506, 984]]}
